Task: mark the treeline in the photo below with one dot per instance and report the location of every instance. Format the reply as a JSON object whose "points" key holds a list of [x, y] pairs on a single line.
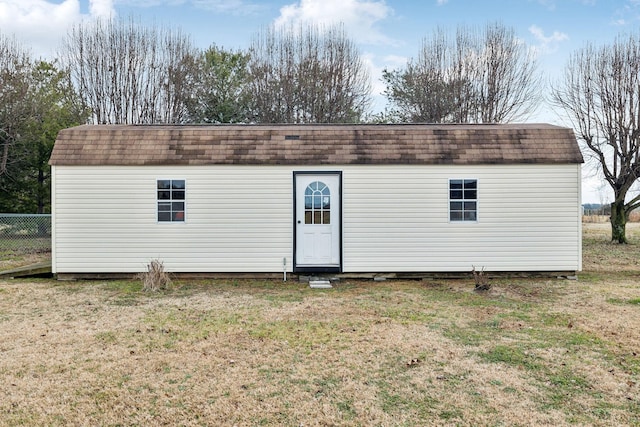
{"points": [[120, 71]]}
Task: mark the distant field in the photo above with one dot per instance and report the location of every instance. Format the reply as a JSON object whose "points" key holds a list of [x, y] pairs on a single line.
{"points": [[247, 353]]}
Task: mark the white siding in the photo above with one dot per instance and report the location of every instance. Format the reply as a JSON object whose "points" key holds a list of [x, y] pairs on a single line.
{"points": [[239, 219], [236, 220], [397, 219]]}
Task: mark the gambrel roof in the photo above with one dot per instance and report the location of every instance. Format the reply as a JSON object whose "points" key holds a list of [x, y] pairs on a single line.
{"points": [[324, 144]]}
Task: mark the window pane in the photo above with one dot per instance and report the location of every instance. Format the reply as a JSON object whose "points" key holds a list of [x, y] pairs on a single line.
{"points": [[466, 191], [455, 216], [307, 201], [455, 194], [171, 190], [470, 194], [326, 217], [317, 217], [308, 191], [325, 202], [307, 217], [316, 201]]}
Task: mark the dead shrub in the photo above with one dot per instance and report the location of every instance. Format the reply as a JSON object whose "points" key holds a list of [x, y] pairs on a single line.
{"points": [[481, 279], [155, 278]]}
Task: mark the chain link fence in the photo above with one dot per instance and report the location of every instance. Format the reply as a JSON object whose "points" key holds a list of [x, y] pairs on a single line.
{"points": [[25, 233]]}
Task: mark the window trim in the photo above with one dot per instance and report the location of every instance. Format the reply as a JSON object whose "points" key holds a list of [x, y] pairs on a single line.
{"points": [[476, 200], [184, 219]]}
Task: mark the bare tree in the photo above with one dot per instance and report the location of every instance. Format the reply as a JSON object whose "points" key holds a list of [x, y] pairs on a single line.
{"points": [[307, 76], [600, 92], [507, 81], [15, 72], [128, 73], [427, 90], [485, 76]]}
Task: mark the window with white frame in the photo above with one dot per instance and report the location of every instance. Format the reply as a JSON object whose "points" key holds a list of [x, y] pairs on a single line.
{"points": [[463, 200], [171, 197]]}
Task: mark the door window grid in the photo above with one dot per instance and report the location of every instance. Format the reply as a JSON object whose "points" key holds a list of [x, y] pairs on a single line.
{"points": [[317, 203], [463, 200], [171, 197]]}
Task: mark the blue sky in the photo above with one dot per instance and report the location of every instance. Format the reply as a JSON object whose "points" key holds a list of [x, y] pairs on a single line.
{"points": [[388, 32]]}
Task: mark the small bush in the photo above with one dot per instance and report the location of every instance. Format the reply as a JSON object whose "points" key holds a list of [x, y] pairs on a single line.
{"points": [[155, 278], [481, 279]]}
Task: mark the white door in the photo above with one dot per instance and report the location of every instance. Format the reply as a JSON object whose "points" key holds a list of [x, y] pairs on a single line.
{"points": [[317, 219]]}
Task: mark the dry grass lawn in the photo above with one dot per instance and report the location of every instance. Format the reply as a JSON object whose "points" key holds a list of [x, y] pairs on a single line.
{"points": [[248, 353]]}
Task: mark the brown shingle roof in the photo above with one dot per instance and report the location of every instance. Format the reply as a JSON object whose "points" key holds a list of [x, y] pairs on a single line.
{"points": [[315, 144]]}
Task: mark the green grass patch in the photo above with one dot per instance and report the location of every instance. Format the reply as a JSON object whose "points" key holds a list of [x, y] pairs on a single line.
{"points": [[184, 325], [395, 401], [623, 301], [407, 315], [464, 335], [512, 355], [106, 337], [307, 334]]}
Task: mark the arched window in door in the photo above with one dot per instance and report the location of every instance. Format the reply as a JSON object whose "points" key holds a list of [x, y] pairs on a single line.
{"points": [[317, 203]]}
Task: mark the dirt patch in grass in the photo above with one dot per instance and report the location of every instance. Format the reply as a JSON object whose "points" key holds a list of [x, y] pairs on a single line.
{"points": [[528, 352]]}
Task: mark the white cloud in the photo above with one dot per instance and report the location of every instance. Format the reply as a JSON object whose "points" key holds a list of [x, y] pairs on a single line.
{"points": [[441, 2], [41, 24], [549, 4], [152, 3], [393, 62], [547, 44], [101, 8], [627, 14], [358, 16], [375, 72], [236, 7]]}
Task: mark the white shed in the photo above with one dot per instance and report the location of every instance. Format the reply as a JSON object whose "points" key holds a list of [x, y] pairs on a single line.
{"points": [[316, 198]]}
